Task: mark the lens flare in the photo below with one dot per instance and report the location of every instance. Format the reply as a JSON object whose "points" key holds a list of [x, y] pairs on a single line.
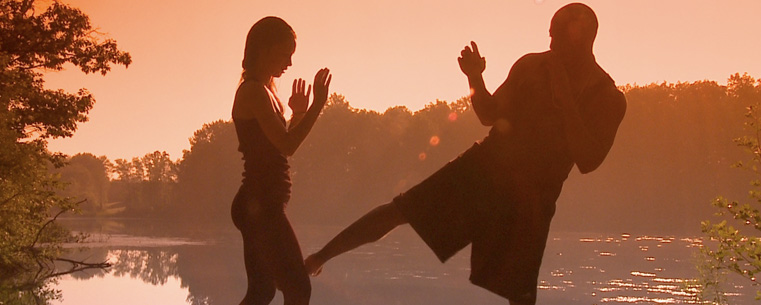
{"points": [[453, 116], [422, 156], [434, 141]]}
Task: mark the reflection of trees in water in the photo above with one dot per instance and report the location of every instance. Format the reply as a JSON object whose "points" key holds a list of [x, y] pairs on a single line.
{"points": [[35, 283], [212, 274], [153, 266], [95, 255]]}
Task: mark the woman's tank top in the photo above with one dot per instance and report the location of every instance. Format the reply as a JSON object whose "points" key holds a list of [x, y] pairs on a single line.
{"points": [[265, 168]]}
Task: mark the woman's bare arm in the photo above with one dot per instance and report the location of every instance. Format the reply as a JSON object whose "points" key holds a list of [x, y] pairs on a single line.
{"points": [[296, 118], [259, 105]]}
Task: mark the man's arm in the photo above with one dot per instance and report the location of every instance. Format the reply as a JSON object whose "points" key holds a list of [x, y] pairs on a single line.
{"points": [[589, 135], [590, 139], [473, 65], [487, 106], [484, 103]]}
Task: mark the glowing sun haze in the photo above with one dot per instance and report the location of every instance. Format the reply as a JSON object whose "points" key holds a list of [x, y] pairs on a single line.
{"points": [[187, 54]]}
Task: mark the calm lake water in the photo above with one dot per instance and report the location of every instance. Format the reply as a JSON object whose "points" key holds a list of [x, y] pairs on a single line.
{"points": [[579, 268]]}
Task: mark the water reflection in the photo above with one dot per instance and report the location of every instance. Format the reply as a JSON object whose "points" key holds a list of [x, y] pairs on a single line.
{"points": [[211, 274], [578, 269]]}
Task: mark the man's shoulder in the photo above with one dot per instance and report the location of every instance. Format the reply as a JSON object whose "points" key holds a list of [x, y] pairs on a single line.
{"points": [[533, 58], [529, 64], [605, 82]]}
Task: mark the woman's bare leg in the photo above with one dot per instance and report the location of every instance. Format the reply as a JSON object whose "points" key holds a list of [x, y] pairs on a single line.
{"points": [[271, 253], [287, 263], [261, 286], [369, 228]]}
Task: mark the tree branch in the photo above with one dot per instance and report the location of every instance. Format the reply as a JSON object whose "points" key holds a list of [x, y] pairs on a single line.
{"points": [[78, 266], [39, 232], [9, 199]]}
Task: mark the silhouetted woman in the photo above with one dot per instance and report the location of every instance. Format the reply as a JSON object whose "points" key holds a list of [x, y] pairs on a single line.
{"points": [[271, 252]]}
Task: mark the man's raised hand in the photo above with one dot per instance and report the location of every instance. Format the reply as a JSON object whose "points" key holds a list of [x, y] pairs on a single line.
{"points": [[471, 62]]}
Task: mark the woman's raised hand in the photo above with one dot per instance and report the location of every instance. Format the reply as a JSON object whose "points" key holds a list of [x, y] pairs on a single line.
{"points": [[321, 84], [299, 99], [471, 62]]}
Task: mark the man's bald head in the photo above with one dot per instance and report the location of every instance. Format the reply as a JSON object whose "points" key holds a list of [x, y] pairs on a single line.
{"points": [[573, 28]]}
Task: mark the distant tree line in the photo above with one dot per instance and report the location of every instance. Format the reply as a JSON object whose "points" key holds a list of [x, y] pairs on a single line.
{"points": [[141, 186], [671, 157], [673, 154], [352, 156]]}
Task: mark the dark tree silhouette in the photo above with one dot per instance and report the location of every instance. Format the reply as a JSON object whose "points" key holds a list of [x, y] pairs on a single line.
{"points": [[86, 178], [37, 37]]}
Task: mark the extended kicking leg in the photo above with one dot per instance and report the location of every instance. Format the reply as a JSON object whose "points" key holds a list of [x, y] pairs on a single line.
{"points": [[369, 228]]}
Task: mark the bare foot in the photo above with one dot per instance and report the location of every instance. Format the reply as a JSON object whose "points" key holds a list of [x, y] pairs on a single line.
{"points": [[313, 264]]}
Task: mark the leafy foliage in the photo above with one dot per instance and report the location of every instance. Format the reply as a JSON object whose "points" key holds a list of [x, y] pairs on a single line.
{"points": [[738, 250], [86, 178], [208, 174], [144, 186], [33, 39], [31, 43]]}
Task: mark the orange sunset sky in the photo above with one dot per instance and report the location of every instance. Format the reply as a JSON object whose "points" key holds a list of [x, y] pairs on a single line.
{"points": [[187, 54]]}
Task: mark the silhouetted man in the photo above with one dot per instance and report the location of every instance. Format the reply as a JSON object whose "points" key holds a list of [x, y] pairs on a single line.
{"points": [[556, 109]]}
